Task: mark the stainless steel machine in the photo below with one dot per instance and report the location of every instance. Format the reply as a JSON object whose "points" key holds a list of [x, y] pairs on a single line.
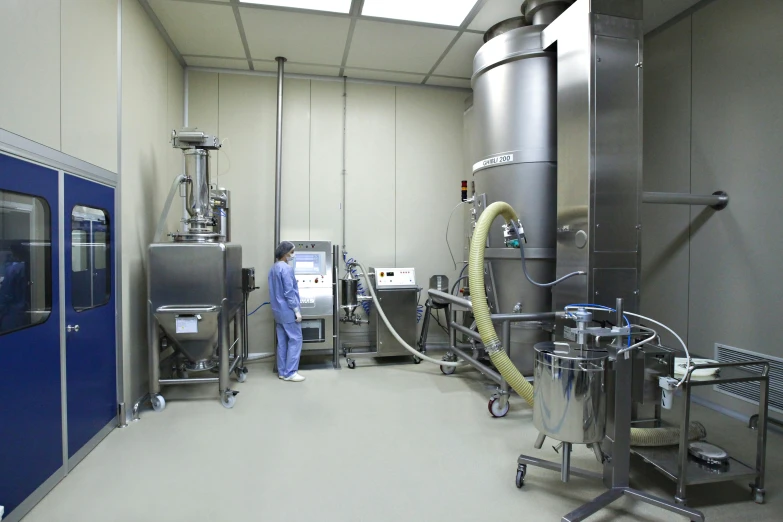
{"points": [[197, 317], [313, 268], [555, 128], [398, 294], [515, 160]]}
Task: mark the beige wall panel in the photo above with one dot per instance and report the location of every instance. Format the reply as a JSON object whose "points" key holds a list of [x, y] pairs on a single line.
{"points": [[429, 171], [30, 69], [667, 156], [89, 81], [326, 162], [145, 145], [247, 123], [296, 186], [370, 183]]}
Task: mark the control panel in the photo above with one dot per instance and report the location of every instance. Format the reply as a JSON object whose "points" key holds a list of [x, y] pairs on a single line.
{"points": [[248, 280], [314, 272], [313, 281], [395, 277]]}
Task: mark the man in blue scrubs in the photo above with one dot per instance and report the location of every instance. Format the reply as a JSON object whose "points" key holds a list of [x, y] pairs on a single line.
{"points": [[284, 299]]}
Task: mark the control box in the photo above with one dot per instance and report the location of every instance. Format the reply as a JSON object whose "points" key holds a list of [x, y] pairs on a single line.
{"points": [[248, 280], [395, 278]]}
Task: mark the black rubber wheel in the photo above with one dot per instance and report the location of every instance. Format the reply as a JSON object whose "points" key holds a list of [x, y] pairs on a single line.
{"points": [[351, 364], [416, 360], [447, 370], [520, 478]]}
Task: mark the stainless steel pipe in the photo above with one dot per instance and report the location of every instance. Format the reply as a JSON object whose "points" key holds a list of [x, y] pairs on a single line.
{"points": [[204, 380], [483, 368], [279, 148], [717, 200], [453, 299], [523, 318], [467, 331], [254, 357]]}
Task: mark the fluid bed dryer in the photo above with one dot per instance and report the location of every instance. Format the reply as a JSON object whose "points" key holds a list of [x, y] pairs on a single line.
{"points": [[555, 136]]}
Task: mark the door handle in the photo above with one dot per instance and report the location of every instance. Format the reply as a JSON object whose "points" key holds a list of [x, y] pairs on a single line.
{"points": [[70, 328]]}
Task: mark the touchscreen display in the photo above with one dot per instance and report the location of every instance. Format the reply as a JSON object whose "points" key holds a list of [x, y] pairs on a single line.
{"points": [[309, 263]]}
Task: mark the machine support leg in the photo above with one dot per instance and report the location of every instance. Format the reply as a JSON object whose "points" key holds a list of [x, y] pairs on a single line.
{"points": [[154, 355], [761, 441], [507, 347], [336, 307], [452, 319], [224, 345], [554, 466], [594, 506], [565, 468], [623, 405], [682, 464], [239, 350], [425, 326]]}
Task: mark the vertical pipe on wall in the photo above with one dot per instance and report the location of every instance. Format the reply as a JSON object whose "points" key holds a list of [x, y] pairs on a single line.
{"points": [[279, 147], [185, 121], [345, 136], [186, 98]]}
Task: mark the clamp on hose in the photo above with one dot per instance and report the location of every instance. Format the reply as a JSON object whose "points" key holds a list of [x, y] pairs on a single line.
{"points": [[493, 347]]}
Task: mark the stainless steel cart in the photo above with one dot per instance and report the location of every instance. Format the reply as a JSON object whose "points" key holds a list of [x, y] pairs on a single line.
{"points": [[676, 463]]}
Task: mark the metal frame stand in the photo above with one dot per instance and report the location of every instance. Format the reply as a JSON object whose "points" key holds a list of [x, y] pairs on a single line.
{"points": [[227, 364], [674, 461], [498, 402], [617, 462]]}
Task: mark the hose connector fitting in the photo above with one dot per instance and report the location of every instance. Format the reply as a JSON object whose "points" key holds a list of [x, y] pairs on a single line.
{"points": [[493, 347], [510, 236]]}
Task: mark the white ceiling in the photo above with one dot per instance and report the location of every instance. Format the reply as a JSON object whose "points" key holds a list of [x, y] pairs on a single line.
{"points": [[231, 34]]}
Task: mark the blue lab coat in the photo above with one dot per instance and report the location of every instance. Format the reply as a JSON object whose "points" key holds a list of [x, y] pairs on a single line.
{"points": [[284, 300]]}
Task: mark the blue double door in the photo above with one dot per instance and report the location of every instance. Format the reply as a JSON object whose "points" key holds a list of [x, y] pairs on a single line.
{"points": [[58, 362]]}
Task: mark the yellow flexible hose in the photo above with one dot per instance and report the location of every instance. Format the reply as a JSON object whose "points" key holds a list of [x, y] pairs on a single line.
{"points": [[499, 358]]}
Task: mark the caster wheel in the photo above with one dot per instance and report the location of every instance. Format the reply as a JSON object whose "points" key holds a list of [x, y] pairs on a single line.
{"points": [[351, 364], [758, 497], [158, 403], [241, 376], [448, 370], [495, 407], [228, 400], [521, 472], [416, 360]]}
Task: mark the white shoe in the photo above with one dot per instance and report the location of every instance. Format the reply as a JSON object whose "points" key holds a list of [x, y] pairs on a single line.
{"points": [[281, 377], [294, 378]]}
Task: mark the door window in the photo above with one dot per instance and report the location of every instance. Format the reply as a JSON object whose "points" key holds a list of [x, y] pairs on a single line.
{"points": [[90, 258], [25, 261]]}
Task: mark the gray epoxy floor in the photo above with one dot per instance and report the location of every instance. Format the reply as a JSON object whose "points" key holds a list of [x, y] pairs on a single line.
{"points": [[379, 443]]}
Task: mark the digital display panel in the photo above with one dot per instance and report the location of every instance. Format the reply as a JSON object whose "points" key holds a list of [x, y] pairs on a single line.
{"points": [[310, 263]]}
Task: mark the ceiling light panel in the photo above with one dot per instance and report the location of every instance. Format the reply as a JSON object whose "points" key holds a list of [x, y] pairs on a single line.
{"points": [[443, 12], [337, 6]]}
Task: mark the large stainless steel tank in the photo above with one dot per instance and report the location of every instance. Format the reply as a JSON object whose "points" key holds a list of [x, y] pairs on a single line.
{"points": [[515, 153], [570, 400], [194, 290]]}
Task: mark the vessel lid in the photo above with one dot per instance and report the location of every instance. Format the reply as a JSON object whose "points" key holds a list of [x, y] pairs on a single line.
{"points": [[709, 453], [563, 350]]}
